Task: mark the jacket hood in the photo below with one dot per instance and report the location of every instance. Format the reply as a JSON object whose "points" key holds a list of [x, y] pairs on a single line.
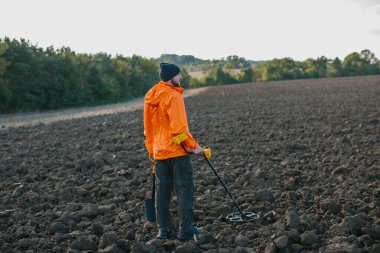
{"points": [[159, 91]]}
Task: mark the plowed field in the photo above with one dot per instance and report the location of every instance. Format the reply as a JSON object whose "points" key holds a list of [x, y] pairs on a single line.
{"points": [[304, 155]]}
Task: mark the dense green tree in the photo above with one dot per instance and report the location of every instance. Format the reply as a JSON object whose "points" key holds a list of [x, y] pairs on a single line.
{"points": [[280, 69], [21, 58], [368, 56], [222, 77], [364, 63], [33, 78], [101, 78], [3, 61], [353, 64], [238, 62], [334, 67], [315, 68], [247, 75], [5, 93], [144, 74], [179, 59], [371, 62]]}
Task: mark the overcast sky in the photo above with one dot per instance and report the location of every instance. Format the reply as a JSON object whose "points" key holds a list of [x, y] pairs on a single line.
{"points": [[207, 29]]}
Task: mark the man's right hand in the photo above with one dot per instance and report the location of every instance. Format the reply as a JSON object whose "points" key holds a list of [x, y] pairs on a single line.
{"points": [[197, 150]]}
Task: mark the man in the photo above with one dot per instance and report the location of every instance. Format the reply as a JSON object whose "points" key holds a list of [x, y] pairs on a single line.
{"points": [[165, 120]]}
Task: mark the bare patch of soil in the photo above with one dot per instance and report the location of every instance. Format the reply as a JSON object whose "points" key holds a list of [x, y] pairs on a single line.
{"points": [[30, 119], [305, 155]]}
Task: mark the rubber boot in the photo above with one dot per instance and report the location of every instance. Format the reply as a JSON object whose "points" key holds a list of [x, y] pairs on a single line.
{"points": [[186, 228], [164, 222]]}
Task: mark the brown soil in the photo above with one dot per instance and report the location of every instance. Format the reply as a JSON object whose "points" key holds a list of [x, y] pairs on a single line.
{"points": [[304, 155]]}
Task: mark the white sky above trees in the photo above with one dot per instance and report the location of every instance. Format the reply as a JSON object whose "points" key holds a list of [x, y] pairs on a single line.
{"points": [[207, 29]]}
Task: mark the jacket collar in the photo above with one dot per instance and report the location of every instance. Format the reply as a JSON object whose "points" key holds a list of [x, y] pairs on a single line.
{"points": [[178, 89]]}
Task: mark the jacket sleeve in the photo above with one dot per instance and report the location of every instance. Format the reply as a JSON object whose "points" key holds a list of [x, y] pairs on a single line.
{"points": [[148, 128], [178, 120]]}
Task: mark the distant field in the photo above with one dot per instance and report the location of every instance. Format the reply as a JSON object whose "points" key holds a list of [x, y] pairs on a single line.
{"points": [[198, 74], [304, 155], [202, 74]]}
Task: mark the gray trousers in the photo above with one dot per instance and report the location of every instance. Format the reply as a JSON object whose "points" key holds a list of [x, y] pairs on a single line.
{"points": [[175, 173]]}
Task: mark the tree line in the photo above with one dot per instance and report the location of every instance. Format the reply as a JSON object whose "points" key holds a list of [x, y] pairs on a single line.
{"points": [[34, 79], [235, 69]]}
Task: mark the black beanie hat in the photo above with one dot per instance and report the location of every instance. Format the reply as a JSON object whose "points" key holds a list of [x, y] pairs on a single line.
{"points": [[168, 71]]}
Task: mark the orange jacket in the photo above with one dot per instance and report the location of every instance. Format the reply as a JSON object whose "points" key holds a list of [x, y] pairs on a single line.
{"points": [[164, 118]]}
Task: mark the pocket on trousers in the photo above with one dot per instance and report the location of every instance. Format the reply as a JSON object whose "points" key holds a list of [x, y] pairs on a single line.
{"points": [[183, 170]]}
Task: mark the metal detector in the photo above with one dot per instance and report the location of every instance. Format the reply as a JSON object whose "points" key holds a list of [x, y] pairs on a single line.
{"points": [[232, 217]]}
